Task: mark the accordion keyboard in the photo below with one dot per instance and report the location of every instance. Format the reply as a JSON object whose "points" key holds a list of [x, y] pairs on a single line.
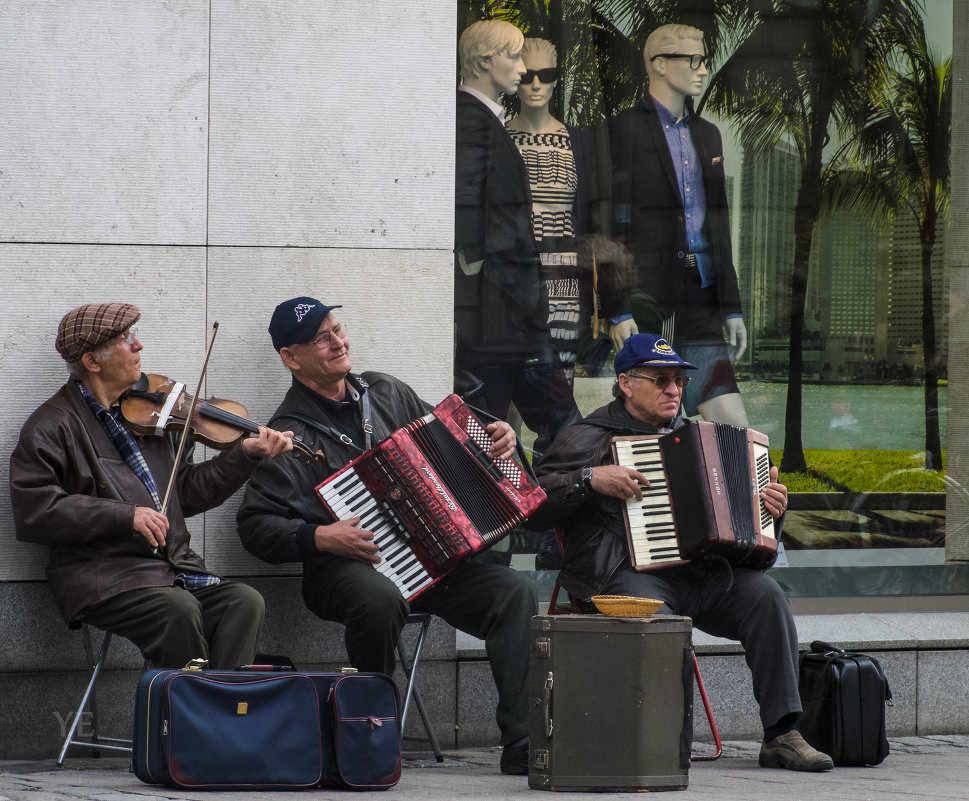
{"points": [[348, 496], [652, 534], [762, 472]]}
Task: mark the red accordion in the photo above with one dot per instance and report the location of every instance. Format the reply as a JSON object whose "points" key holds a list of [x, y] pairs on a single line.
{"points": [[432, 496]]}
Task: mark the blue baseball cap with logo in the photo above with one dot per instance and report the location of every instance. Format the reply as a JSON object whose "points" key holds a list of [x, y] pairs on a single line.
{"points": [[648, 350], [297, 320]]}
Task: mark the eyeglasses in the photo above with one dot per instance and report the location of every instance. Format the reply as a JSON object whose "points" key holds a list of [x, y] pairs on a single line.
{"points": [[695, 58], [547, 75], [326, 337], [663, 381], [126, 337]]}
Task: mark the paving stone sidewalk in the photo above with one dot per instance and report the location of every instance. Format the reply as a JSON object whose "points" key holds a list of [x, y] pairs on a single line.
{"points": [[931, 768]]}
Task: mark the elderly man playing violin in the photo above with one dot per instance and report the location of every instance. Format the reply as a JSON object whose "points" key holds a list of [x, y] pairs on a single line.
{"points": [[91, 491], [283, 520]]}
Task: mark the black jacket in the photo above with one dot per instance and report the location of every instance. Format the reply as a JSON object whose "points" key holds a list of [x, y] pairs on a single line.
{"points": [[280, 509], [500, 312], [595, 538], [647, 210]]}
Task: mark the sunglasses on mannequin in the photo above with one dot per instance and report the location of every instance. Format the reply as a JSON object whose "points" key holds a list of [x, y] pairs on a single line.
{"points": [[547, 75]]}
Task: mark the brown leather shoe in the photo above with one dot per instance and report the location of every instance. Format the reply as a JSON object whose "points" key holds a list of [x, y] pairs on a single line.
{"points": [[514, 760], [792, 752]]}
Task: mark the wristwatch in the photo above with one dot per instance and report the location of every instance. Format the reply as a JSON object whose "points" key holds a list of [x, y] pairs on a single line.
{"points": [[587, 478]]}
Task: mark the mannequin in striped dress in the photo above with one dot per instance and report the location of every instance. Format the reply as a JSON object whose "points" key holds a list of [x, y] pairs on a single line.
{"points": [[547, 148]]}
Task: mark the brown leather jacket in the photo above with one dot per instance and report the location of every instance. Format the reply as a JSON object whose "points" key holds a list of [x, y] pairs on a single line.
{"points": [[73, 492]]}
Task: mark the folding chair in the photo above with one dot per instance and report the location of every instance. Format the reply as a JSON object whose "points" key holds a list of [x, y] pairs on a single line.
{"points": [[555, 607], [410, 665], [89, 702]]}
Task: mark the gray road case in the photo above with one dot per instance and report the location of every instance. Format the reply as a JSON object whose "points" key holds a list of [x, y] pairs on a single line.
{"points": [[610, 703]]}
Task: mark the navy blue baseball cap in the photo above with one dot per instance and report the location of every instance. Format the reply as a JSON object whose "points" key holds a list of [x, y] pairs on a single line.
{"points": [[648, 350], [297, 320]]}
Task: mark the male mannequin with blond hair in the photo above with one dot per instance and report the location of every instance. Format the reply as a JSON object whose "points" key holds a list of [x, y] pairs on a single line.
{"points": [[669, 207], [502, 341]]}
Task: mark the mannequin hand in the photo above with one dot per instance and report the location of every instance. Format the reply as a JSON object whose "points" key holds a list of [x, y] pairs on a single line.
{"points": [[736, 337], [620, 332], [469, 269]]}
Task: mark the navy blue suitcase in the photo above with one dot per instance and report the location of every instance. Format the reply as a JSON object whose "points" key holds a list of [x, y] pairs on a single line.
{"points": [[261, 730]]}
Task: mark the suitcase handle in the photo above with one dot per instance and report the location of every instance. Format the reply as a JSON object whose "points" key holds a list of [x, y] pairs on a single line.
{"points": [[822, 647], [548, 705]]}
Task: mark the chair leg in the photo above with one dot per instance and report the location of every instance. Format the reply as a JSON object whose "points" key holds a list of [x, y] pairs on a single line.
{"points": [[89, 701], [410, 667], [710, 720]]}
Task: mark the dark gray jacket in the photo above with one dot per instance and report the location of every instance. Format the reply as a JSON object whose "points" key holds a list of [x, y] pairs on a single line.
{"points": [[281, 509], [595, 538]]}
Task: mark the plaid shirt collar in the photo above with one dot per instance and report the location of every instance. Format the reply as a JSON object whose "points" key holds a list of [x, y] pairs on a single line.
{"points": [[122, 439]]}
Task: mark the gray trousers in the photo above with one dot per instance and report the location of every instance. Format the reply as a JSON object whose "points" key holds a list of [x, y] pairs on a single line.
{"points": [[488, 601], [171, 626], [754, 611]]}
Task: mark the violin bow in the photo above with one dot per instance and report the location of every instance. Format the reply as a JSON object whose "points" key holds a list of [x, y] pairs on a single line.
{"points": [[188, 420]]}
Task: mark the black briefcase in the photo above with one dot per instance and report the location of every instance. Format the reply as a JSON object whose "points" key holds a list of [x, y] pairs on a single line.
{"points": [[844, 696]]}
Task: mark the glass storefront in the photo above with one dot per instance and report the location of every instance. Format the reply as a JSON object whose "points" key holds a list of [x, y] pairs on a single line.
{"points": [[822, 289]]}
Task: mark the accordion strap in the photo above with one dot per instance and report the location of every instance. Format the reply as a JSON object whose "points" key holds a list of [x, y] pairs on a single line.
{"points": [[332, 433], [365, 424]]}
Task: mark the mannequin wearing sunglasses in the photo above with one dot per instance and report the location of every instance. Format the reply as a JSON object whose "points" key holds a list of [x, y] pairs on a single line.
{"points": [[558, 160], [503, 348], [669, 207]]}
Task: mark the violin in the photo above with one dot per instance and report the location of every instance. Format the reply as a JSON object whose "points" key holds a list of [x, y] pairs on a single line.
{"points": [[156, 404]]}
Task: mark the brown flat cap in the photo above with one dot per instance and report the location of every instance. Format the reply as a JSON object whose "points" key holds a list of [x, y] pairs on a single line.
{"points": [[88, 327]]}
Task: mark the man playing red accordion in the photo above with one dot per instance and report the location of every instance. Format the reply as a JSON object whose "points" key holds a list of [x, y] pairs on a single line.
{"points": [[283, 520]]}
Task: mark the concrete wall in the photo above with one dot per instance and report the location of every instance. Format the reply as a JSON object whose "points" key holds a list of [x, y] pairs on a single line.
{"points": [[205, 160]]}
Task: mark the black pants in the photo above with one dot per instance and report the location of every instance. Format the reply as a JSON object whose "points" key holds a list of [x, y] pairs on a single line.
{"points": [[171, 626], [754, 611], [487, 601], [541, 393]]}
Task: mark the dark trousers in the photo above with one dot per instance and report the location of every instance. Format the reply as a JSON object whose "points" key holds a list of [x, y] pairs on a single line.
{"points": [[754, 611], [488, 601], [541, 393], [172, 626]]}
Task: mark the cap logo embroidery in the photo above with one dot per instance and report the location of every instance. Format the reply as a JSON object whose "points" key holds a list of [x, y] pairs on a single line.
{"points": [[662, 347], [302, 310]]}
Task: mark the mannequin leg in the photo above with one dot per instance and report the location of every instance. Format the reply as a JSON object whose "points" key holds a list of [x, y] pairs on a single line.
{"points": [[727, 408]]}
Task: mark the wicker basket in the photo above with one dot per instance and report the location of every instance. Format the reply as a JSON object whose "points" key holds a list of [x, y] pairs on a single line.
{"points": [[625, 605]]}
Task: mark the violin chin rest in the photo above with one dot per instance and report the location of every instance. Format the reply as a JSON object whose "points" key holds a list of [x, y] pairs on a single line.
{"points": [[141, 385]]}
